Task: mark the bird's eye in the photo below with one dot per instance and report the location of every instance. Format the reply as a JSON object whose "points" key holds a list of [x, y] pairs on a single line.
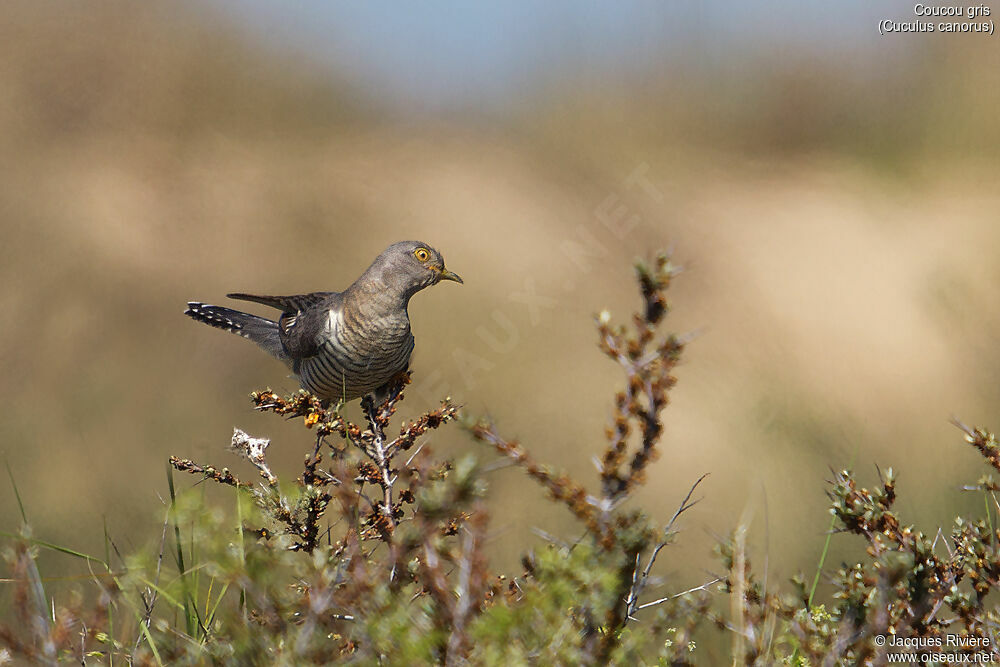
{"points": [[422, 254]]}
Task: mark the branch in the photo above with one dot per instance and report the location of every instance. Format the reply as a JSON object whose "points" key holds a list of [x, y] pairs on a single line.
{"points": [[703, 587], [209, 472], [639, 582]]}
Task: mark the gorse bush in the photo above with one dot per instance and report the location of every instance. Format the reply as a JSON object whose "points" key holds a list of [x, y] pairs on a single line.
{"points": [[376, 553], [916, 594]]}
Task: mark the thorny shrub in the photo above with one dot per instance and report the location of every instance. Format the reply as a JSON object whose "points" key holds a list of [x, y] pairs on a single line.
{"points": [[376, 553], [914, 594]]}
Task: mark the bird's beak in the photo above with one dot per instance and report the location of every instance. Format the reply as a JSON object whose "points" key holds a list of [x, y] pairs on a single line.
{"points": [[448, 275]]}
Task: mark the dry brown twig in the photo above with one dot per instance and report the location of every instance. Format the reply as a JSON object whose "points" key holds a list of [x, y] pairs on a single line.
{"points": [[647, 360], [639, 581], [222, 476], [377, 466]]}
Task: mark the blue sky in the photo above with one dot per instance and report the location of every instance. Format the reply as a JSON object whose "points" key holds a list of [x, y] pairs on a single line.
{"points": [[438, 55]]}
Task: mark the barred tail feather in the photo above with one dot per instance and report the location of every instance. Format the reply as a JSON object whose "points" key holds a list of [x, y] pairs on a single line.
{"points": [[262, 331]]}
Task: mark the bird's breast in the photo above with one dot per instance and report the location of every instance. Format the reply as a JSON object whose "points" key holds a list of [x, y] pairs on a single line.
{"points": [[357, 354]]}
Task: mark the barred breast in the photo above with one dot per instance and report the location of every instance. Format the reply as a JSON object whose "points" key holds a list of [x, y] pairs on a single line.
{"points": [[357, 355]]}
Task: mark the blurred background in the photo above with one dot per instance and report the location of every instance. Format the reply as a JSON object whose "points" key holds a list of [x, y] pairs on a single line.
{"points": [[830, 192]]}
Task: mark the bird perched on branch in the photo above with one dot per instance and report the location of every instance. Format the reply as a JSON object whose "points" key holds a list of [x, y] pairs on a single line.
{"points": [[342, 345]]}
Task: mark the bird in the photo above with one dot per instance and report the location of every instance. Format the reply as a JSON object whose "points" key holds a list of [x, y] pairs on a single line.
{"points": [[342, 345]]}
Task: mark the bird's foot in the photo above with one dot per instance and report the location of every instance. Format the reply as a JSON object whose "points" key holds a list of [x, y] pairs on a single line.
{"points": [[368, 405]]}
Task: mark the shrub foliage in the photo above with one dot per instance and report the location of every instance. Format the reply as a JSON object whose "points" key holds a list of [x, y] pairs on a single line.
{"points": [[377, 553]]}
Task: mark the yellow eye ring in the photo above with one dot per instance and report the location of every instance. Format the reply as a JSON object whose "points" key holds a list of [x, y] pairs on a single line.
{"points": [[422, 254]]}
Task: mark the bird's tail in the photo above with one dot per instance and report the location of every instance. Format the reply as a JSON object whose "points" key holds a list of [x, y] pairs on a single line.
{"points": [[262, 331]]}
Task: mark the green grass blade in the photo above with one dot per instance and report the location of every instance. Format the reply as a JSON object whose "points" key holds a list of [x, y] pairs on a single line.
{"points": [[189, 620], [17, 494], [55, 547], [171, 600], [826, 546], [211, 614], [243, 561], [149, 638], [822, 561], [111, 607], [208, 597]]}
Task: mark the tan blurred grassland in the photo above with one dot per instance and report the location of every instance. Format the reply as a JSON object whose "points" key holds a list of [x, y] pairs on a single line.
{"points": [[839, 235]]}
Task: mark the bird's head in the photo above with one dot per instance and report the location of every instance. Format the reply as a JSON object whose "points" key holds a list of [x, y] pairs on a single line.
{"points": [[413, 265]]}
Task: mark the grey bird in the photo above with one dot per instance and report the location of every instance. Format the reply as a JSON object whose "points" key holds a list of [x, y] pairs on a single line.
{"points": [[342, 345]]}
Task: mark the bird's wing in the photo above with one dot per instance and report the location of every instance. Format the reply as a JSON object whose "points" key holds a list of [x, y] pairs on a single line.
{"points": [[286, 304], [303, 319]]}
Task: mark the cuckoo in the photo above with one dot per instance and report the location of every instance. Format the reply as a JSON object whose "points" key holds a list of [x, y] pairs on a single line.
{"points": [[342, 345]]}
